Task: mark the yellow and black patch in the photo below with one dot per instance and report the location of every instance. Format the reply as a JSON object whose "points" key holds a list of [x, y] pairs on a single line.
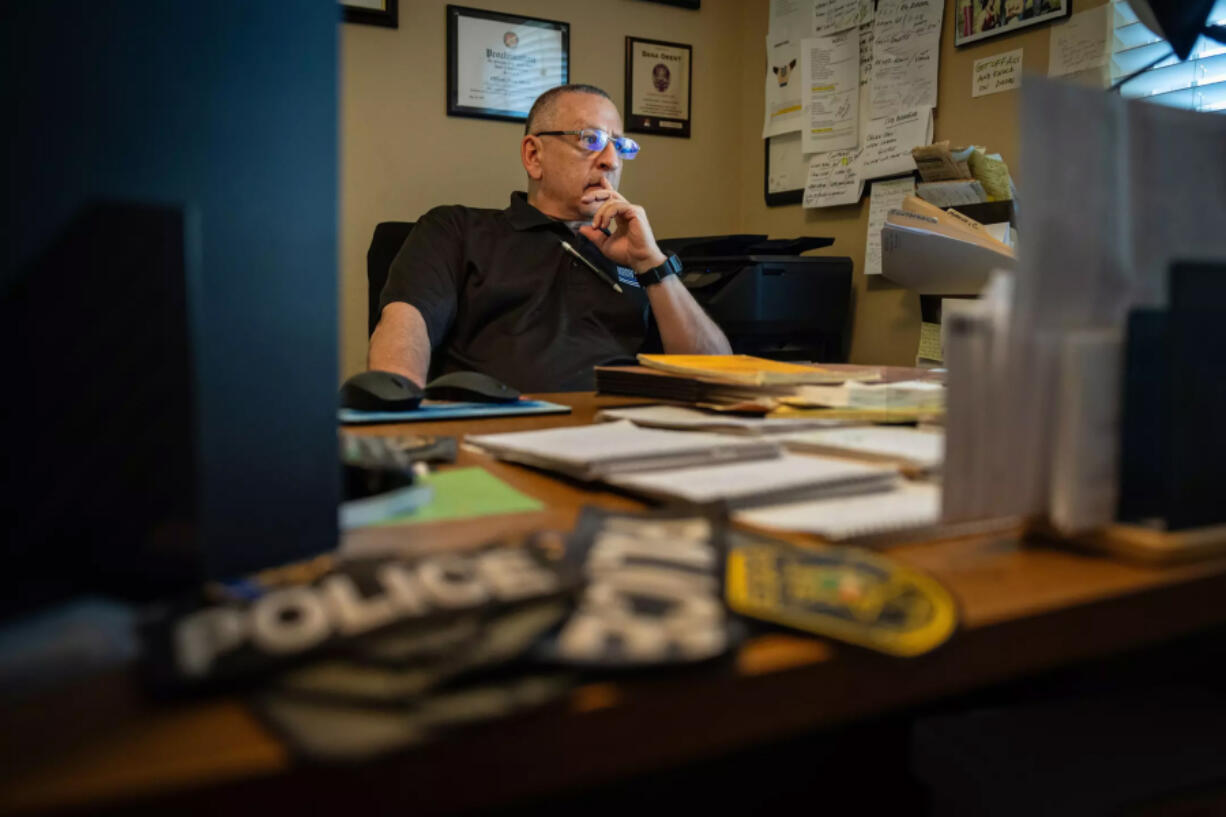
{"points": [[844, 593]]}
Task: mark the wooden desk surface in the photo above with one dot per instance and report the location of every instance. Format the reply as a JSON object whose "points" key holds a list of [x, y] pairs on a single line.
{"points": [[1024, 609]]}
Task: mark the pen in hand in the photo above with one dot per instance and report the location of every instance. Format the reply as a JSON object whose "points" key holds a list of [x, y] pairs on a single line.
{"points": [[599, 272]]}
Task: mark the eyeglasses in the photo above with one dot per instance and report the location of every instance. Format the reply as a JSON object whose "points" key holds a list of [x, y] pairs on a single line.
{"points": [[595, 139]]}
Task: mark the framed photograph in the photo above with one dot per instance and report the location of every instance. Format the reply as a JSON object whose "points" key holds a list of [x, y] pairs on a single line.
{"points": [[498, 64], [371, 12], [658, 88], [980, 19]]}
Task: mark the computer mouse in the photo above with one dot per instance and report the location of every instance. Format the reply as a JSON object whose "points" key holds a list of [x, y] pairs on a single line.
{"points": [[470, 387], [380, 391]]}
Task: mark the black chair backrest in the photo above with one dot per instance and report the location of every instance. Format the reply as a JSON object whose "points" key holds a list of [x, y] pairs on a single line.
{"points": [[388, 239]]}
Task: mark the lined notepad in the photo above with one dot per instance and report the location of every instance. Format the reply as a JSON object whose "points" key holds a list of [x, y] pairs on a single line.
{"points": [[910, 505], [924, 450], [743, 484], [595, 451]]}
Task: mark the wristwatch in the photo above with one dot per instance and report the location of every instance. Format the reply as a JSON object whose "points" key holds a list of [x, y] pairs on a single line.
{"points": [[671, 266]]}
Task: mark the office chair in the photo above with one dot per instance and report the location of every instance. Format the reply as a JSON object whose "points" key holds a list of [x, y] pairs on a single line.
{"points": [[389, 237]]}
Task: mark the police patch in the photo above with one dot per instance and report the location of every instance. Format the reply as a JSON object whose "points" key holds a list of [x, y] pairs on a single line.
{"points": [[845, 593]]}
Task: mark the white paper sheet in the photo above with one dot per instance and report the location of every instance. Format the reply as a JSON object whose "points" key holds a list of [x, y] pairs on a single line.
{"points": [[682, 418], [1081, 43], [924, 449], [830, 68], [784, 88], [1002, 72], [834, 178], [906, 47], [868, 9], [791, 19], [911, 505], [887, 142], [883, 197], [743, 483], [834, 16], [789, 167]]}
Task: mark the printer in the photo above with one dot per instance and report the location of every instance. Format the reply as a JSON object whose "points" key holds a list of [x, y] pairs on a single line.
{"points": [[769, 300]]}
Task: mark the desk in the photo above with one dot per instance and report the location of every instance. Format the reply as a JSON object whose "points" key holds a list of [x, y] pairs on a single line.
{"points": [[1024, 609]]}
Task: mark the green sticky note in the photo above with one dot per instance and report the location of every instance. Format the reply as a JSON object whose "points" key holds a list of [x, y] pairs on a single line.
{"points": [[466, 493]]}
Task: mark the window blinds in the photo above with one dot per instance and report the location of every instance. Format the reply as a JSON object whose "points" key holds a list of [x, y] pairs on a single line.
{"points": [[1198, 84]]}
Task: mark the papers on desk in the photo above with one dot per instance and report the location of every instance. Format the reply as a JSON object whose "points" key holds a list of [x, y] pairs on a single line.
{"points": [[601, 450], [688, 419], [907, 447], [909, 505], [745, 484], [906, 394], [431, 410]]}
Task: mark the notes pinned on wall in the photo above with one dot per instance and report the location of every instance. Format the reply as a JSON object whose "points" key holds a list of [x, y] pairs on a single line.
{"points": [[834, 178], [1082, 43], [883, 197], [830, 68], [992, 75], [906, 48]]}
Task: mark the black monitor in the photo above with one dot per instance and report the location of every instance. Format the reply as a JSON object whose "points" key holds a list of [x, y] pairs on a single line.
{"points": [[168, 293]]}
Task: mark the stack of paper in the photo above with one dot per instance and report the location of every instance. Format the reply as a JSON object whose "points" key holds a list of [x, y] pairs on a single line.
{"points": [[939, 254], [745, 484], [907, 447], [909, 505], [922, 395], [688, 419], [737, 382], [596, 451]]}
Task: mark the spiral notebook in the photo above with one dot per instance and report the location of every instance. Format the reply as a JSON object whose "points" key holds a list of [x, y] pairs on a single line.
{"points": [[910, 505]]}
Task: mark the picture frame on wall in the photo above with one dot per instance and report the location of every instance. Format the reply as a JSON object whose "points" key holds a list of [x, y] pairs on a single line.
{"points": [[976, 20], [658, 87], [384, 13], [498, 64]]}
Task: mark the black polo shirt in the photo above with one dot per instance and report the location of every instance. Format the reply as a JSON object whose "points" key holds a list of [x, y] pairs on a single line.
{"points": [[499, 295]]}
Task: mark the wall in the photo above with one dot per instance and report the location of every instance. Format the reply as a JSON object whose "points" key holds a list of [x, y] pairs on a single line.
{"points": [[401, 154], [886, 322]]}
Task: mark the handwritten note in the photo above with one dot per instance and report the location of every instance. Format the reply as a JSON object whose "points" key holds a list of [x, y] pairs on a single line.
{"points": [[995, 74], [905, 49], [883, 197], [887, 142], [834, 178], [833, 16], [1082, 43], [830, 68]]}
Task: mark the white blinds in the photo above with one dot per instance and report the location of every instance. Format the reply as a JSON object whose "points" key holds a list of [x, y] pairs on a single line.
{"points": [[1199, 84]]}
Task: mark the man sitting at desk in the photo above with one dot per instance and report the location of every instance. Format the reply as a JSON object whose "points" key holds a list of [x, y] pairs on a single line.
{"points": [[495, 291]]}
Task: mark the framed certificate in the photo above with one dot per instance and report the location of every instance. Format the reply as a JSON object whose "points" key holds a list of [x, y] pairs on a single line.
{"points": [[658, 88], [498, 64], [371, 12]]}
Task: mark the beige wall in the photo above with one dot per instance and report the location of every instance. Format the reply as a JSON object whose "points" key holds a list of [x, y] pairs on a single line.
{"points": [[402, 155]]}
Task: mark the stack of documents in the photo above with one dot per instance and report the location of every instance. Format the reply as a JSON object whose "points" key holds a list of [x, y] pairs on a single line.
{"points": [[688, 419], [921, 395], [745, 484], [597, 451], [738, 382], [967, 175], [939, 253], [909, 505], [907, 447]]}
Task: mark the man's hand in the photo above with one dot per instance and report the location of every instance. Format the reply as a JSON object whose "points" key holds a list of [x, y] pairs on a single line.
{"points": [[633, 244]]}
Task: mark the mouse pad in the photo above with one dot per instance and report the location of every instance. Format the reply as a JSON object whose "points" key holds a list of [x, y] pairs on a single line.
{"points": [[439, 410]]}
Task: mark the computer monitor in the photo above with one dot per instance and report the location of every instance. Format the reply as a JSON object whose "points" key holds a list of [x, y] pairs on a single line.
{"points": [[169, 293]]}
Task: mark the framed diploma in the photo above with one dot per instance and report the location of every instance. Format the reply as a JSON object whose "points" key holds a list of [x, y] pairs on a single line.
{"points": [[498, 64], [658, 87]]}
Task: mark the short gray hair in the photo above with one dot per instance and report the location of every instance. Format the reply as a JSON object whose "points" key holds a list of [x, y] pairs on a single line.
{"points": [[545, 104]]}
